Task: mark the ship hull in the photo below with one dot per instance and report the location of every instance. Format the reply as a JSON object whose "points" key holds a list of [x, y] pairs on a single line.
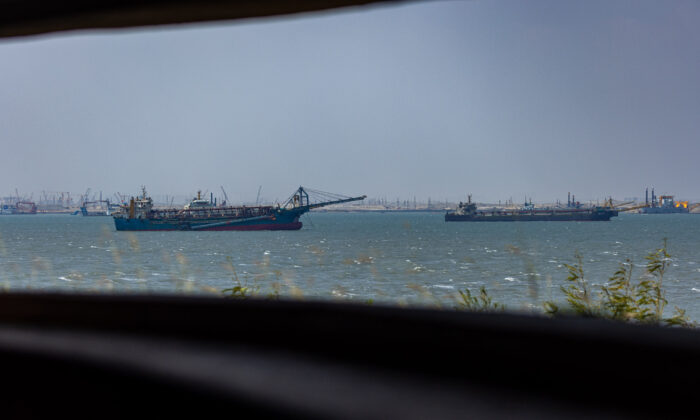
{"points": [[663, 210], [283, 221], [147, 225], [602, 216], [94, 213]]}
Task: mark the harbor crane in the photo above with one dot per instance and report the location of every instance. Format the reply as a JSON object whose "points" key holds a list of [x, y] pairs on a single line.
{"points": [[86, 197]]}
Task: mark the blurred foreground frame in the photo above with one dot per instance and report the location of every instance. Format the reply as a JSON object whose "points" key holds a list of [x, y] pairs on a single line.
{"points": [[116, 356], [121, 356], [34, 17]]}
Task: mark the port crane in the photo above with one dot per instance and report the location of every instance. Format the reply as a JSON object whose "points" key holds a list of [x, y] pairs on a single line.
{"points": [[61, 198], [121, 198], [85, 197]]}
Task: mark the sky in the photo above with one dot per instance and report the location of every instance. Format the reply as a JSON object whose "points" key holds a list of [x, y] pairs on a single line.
{"points": [[500, 99]]}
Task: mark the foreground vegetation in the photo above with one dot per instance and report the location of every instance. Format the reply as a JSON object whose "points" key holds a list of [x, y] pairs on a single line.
{"points": [[623, 297]]}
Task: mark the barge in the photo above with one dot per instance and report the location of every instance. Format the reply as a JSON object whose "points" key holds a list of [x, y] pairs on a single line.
{"points": [[467, 212]]}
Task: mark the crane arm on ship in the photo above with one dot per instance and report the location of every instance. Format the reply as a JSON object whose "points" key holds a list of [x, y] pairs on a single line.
{"points": [[302, 198], [225, 195], [619, 206], [631, 207], [626, 203], [328, 203]]}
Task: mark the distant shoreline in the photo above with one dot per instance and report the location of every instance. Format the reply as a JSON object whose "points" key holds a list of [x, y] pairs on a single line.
{"points": [[360, 210]]}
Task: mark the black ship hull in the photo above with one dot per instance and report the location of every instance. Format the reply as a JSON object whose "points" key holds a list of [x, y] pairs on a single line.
{"points": [[539, 216]]}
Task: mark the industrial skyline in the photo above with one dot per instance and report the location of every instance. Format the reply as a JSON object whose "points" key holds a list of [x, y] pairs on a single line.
{"points": [[63, 201]]}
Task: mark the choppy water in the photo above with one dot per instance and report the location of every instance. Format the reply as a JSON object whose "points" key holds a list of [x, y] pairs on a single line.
{"points": [[411, 257]]}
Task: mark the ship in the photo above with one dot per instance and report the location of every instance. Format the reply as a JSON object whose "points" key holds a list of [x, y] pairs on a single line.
{"points": [[663, 204], [98, 208], [574, 211], [203, 215], [19, 207]]}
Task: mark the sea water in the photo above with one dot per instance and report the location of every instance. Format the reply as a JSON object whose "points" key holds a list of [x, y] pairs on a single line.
{"points": [[403, 258]]}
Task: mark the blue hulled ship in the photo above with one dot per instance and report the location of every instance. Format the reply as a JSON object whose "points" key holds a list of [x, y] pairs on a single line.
{"points": [[204, 215]]}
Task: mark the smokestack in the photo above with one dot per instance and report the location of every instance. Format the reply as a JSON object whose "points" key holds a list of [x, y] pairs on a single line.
{"points": [[646, 197], [568, 199]]}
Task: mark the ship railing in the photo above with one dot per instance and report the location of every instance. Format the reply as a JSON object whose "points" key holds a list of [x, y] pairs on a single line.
{"points": [[532, 212], [214, 212]]}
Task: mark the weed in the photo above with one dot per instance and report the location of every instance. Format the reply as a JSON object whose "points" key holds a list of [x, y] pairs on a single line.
{"points": [[481, 302], [620, 299]]}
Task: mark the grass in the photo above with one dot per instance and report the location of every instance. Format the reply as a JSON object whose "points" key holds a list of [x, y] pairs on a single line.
{"points": [[481, 302], [622, 298]]}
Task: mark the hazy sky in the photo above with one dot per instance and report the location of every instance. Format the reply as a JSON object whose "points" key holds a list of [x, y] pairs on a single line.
{"points": [[497, 98]]}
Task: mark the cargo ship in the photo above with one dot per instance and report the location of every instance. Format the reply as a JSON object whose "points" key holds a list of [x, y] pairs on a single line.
{"points": [[467, 212], [663, 204], [203, 215]]}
